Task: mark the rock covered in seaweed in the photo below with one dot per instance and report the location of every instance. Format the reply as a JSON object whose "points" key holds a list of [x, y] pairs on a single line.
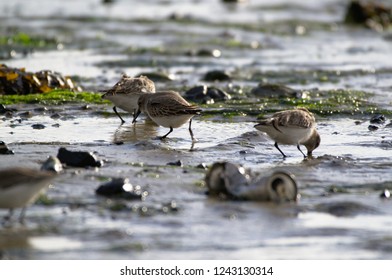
{"points": [[19, 81]]}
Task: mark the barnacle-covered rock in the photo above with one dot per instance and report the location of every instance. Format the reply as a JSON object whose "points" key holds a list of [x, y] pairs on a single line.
{"points": [[18, 81], [235, 182]]}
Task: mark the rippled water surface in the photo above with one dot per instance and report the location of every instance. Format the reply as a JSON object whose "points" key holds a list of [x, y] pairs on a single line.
{"points": [[301, 44]]}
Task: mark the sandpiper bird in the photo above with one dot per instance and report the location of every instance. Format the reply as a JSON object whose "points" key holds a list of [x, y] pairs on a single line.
{"points": [[125, 93], [20, 187], [292, 127], [167, 109]]}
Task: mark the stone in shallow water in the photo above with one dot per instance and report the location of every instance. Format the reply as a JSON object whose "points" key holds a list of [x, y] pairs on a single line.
{"points": [[372, 127], [378, 119], [274, 90], [38, 126], [121, 188], [216, 75], [206, 95], [4, 150], [52, 164], [78, 158]]}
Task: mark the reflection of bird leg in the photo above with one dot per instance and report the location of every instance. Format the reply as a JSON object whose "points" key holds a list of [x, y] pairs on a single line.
{"points": [[115, 110]]}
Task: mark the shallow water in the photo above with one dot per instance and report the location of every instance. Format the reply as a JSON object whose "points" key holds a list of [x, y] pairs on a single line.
{"points": [[339, 215]]}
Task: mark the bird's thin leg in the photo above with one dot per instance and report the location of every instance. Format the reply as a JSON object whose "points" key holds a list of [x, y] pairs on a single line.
{"points": [[190, 130], [115, 110], [22, 215], [136, 115], [276, 146], [164, 136], [299, 149]]}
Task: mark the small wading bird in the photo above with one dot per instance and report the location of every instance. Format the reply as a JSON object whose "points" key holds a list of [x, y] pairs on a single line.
{"points": [[125, 93], [167, 109], [20, 187], [292, 127]]}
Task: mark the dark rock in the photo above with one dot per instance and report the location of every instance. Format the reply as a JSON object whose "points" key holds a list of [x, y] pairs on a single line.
{"points": [[56, 125], [121, 188], [372, 127], [369, 14], [41, 110], [206, 95], [55, 116], [385, 194], [26, 114], [38, 126], [4, 110], [378, 119], [4, 150], [78, 158], [175, 163], [202, 166], [274, 90], [216, 75]]}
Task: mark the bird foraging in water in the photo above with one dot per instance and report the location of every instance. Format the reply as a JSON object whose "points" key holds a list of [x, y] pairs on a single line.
{"points": [[125, 93], [167, 109], [20, 187], [292, 127]]}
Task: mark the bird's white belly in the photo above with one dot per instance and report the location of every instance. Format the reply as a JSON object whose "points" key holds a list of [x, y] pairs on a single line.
{"points": [[287, 135], [21, 195], [126, 102], [172, 121]]}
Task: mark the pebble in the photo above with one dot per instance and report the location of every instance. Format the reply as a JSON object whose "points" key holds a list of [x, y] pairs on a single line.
{"points": [[176, 163], [38, 126], [372, 127]]}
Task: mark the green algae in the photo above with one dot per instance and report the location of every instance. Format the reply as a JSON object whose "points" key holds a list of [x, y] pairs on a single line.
{"points": [[55, 97], [329, 102]]}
